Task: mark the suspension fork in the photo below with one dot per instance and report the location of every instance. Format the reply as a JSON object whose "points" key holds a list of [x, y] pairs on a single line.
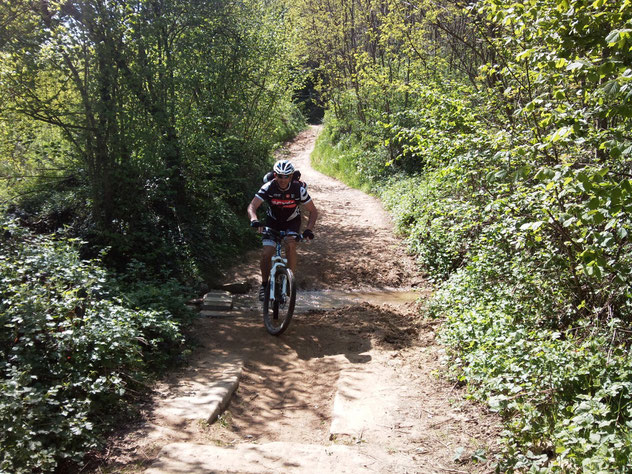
{"points": [[277, 261]]}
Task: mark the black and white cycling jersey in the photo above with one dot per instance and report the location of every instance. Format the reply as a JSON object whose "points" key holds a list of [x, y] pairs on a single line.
{"points": [[283, 204]]}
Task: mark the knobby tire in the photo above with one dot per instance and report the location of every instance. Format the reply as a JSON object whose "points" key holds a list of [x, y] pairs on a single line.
{"points": [[277, 316]]}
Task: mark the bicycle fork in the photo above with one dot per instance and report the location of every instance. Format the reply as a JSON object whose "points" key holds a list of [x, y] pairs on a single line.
{"points": [[277, 261]]}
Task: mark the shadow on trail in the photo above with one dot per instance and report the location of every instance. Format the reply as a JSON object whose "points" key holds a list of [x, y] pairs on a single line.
{"points": [[351, 330], [292, 378]]}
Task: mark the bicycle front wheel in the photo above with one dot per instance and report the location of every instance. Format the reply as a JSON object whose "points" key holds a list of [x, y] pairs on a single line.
{"points": [[278, 311]]}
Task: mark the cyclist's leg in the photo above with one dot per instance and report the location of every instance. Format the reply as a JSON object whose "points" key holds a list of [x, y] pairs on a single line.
{"points": [[269, 247], [266, 264], [290, 252], [293, 228]]}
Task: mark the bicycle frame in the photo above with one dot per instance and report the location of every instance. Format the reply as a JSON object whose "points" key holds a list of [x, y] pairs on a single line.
{"points": [[277, 261]]}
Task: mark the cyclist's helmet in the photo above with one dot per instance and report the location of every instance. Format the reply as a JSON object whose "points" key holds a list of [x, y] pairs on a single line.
{"points": [[283, 167]]}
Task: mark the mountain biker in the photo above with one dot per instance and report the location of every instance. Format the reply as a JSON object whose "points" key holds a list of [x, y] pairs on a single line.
{"points": [[283, 196]]}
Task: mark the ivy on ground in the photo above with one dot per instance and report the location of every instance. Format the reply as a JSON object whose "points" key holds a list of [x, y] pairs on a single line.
{"points": [[71, 354]]}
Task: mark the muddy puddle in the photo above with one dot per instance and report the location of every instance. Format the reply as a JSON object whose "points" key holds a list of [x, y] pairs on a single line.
{"points": [[330, 299]]}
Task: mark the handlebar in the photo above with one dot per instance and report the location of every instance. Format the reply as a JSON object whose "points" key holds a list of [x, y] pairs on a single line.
{"points": [[278, 235]]}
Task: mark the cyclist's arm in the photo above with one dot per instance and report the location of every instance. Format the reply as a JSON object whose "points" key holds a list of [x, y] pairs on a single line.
{"points": [[253, 206], [313, 214]]}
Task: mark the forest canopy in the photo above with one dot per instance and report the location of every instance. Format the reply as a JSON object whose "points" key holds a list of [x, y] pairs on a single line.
{"points": [[139, 123]]}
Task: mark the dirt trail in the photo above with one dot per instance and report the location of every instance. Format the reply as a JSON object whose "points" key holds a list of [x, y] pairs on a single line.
{"points": [[358, 383], [354, 248]]}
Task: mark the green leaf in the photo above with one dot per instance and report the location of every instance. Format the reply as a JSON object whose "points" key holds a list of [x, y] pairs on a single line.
{"points": [[612, 37], [560, 63], [560, 134], [611, 87], [594, 203], [525, 54], [577, 65], [618, 37], [544, 174], [534, 226]]}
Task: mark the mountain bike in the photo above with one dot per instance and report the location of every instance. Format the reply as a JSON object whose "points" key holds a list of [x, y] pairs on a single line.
{"points": [[280, 296]]}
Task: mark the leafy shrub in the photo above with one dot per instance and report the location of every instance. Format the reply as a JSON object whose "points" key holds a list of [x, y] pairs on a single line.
{"points": [[343, 159], [289, 124], [438, 225], [565, 397], [70, 353], [533, 267]]}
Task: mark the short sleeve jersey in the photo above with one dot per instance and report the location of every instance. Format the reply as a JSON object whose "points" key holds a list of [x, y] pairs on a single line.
{"points": [[283, 205]]}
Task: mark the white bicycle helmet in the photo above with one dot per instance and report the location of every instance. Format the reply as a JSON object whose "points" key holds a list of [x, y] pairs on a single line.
{"points": [[283, 167]]}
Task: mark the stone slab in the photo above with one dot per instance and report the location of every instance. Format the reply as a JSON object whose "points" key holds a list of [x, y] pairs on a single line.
{"points": [[237, 287], [217, 300], [220, 306], [217, 294], [366, 397], [217, 314], [262, 458], [204, 395]]}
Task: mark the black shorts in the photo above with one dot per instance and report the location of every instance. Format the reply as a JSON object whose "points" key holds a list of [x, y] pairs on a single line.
{"points": [[292, 228]]}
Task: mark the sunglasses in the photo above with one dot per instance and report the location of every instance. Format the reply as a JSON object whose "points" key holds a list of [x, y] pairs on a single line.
{"points": [[283, 176]]}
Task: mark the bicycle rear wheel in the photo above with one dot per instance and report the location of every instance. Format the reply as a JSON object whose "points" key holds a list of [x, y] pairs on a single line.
{"points": [[277, 312]]}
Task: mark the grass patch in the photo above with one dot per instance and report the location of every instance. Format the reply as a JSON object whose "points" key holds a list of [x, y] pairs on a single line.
{"points": [[340, 161]]}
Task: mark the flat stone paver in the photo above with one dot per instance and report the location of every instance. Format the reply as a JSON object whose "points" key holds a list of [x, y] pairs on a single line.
{"points": [[366, 400], [217, 304], [204, 395], [217, 314], [217, 300], [262, 458]]}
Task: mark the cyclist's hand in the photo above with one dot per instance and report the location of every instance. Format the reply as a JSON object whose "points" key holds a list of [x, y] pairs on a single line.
{"points": [[308, 234], [256, 224]]}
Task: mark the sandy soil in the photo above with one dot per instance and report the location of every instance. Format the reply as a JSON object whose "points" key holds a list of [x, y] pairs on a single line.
{"points": [[289, 383]]}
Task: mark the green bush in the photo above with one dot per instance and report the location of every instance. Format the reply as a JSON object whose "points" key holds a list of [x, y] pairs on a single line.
{"points": [[438, 225], [289, 124], [565, 396], [70, 353], [505, 158], [342, 156]]}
